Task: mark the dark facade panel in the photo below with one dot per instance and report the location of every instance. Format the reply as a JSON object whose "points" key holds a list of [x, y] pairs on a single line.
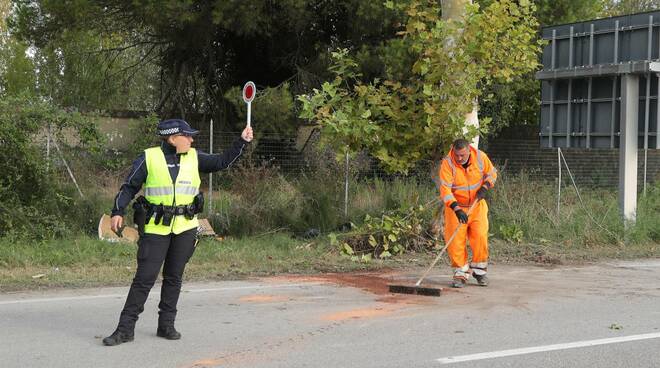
{"points": [[580, 80]]}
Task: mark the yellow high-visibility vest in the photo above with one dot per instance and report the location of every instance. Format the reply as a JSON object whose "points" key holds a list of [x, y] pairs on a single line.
{"points": [[159, 189]]}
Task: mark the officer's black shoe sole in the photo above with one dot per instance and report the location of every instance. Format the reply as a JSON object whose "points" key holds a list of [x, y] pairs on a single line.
{"points": [[170, 335], [114, 340]]}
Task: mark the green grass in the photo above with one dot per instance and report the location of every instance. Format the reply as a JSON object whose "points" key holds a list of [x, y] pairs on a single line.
{"points": [[530, 207], [525, 226], [86, 262]]}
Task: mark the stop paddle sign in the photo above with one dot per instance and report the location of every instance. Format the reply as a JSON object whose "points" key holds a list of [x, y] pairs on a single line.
{"points": [[249, 90]]}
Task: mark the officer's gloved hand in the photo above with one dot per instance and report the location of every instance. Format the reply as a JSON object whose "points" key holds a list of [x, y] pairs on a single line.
{"points": [[461, 216], [481, 193]]}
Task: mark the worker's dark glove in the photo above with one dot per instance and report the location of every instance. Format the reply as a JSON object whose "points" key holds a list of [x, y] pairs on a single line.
{"points": [[481, 193], [461, 216]]}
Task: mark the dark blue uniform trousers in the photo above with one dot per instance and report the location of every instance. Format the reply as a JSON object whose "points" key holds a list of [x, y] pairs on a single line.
{"points": [[153, 250]]}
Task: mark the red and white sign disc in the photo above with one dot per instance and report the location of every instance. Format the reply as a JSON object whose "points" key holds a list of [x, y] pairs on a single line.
{"points": [[249, 90]]}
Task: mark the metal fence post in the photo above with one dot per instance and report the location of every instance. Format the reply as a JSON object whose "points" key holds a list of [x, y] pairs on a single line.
{"points": [[210, 208], [346, 187], [48, 148], [559, 181]]}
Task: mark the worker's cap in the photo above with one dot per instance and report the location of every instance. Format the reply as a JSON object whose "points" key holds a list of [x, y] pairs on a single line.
{"points": [[175, 126]]}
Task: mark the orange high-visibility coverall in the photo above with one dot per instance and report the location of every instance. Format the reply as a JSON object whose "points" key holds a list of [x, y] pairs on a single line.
{"points": [[459, 184]]}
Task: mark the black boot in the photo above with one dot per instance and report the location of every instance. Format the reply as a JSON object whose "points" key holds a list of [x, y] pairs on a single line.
{"points": [[117, 338], [168, 332], [482, 280]]}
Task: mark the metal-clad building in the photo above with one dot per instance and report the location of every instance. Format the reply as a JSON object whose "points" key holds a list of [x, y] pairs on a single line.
{"points": [[583, 65]]}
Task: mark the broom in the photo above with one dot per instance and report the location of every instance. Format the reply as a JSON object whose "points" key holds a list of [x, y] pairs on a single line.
{"points": [[428, 291]]}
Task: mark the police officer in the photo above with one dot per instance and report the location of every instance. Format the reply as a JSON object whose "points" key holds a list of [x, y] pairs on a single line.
{"points": [[171, 178]]}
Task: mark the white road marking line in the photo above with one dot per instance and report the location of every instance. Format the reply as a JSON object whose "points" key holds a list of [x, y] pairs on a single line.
{"points": [[649, 264], [538, 349], [91, 297]]}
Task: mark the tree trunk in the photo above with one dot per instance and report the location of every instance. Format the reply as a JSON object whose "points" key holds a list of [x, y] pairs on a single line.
{"points": [[455, 10]]}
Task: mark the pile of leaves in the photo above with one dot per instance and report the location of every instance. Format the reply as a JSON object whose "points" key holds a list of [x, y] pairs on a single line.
{"points": [[391, 234]]}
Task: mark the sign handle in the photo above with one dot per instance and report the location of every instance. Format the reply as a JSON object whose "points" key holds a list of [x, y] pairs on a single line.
{"points": [[249, 113]]}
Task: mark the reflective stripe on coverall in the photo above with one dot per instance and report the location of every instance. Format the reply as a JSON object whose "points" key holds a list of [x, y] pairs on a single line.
{"points": [[458, 184]]}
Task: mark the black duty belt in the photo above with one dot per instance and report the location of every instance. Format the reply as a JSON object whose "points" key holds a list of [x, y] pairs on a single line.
{"points": [[167, 213], [178, 210], [164, 214]]}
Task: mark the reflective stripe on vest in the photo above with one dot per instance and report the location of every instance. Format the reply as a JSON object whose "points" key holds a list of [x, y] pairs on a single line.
{"points": [[472, 185], [159, 188]]}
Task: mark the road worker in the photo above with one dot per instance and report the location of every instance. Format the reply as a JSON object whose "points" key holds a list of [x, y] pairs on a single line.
{"points": [[466, 174]]}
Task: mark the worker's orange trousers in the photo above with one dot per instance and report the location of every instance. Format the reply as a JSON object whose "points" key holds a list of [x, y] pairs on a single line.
{"points": [[476, 232]]}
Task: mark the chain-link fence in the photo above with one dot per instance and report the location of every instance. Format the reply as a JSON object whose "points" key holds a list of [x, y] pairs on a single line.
{"points": [[590, 168], [300, 153]]}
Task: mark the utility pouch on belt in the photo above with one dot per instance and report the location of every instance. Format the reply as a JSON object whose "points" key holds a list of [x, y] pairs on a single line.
{"points": [[159, 213], [189, 211], [140, 210], [150, 213], [198, 203], [168, 214]]}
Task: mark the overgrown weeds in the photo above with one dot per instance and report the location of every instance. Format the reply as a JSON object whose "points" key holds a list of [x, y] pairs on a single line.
{"points": [[522, 209]]}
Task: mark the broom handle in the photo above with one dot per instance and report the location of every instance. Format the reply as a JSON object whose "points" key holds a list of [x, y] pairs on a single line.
{"points": [[419, 282]]}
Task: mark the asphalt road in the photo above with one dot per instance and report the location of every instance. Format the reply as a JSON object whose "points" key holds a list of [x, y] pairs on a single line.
{"points": [[603, 315]]}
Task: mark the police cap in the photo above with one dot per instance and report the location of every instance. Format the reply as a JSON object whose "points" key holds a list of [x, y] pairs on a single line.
{"points": [[175, 126]]}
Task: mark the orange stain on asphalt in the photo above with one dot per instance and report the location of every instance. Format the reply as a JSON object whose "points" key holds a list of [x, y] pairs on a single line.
{"points": [[207, 363], [359, 313], [373, 283], [264, 298]]}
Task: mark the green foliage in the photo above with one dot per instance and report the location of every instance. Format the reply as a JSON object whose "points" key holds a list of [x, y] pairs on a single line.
{"points": [[78, 72], [511, 233], [554, 12], [32, 202], [647, 226], [82, 261], [273, 109], [512, 104], [260, 202], [143, 135], [259, 199], [402, 121], [390, 234], [526, 209], [18, 75], [145, 49], [71, 65], [625, 7]]}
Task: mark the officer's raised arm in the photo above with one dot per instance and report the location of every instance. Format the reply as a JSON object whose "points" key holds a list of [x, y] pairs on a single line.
{"points": [[215, 162]]}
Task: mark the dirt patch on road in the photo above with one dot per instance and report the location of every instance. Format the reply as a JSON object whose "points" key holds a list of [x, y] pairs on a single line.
{"points": [[359, 313], [374, 284], [264, 298], [371, 282], [204, 363]]}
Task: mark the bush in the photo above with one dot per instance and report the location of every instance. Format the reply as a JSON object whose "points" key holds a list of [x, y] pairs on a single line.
{"points": [[390, 234], [259, 199], [274, 108], [33, 203], [647, 226], [522, 209]]}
